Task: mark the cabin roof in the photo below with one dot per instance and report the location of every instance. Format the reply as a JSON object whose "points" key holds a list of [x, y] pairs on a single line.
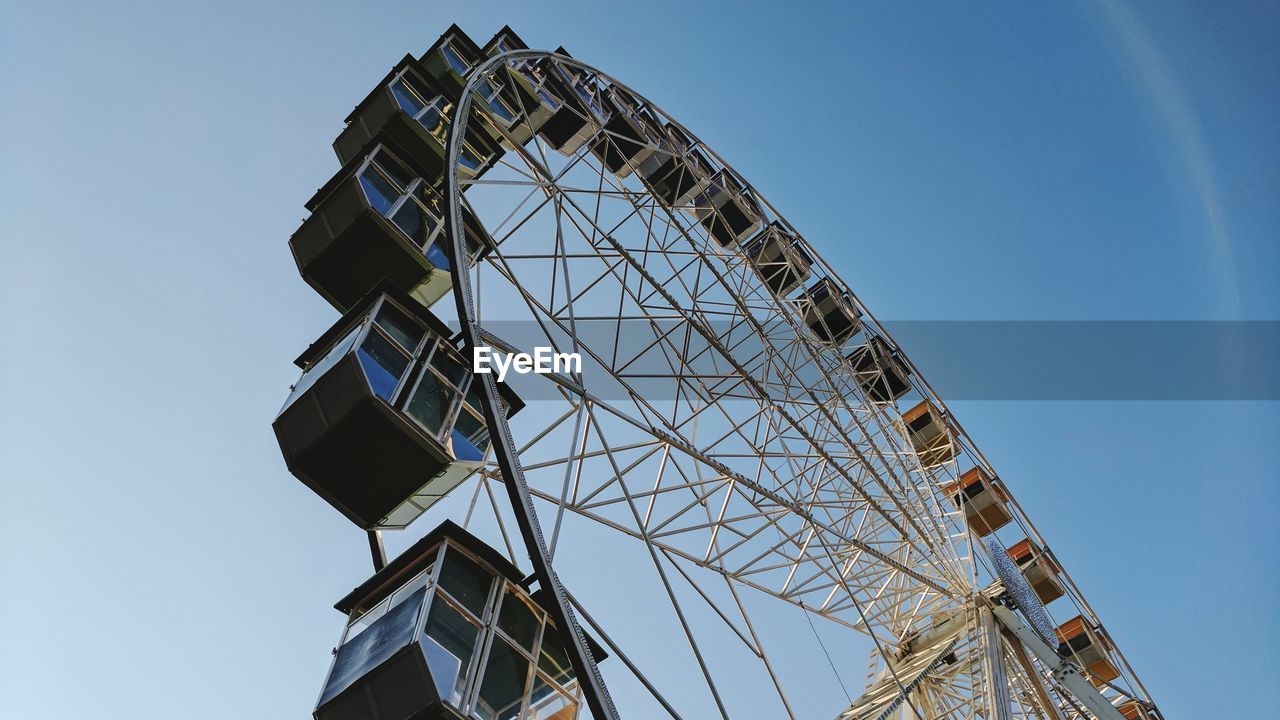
{"points": [[407, 61], [419, 555], [509, 34], [468, 45], [317, 349]]}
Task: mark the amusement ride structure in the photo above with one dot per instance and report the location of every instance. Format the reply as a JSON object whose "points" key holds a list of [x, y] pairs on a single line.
{"points": [[742, 440]]}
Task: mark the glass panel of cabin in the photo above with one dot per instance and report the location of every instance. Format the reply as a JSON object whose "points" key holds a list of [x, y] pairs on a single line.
{"points": [[466, 581], [409, 589], [454, 58], [553, 660], [399, 326], [406, 97], [518, 620], [449, 643], [388, 164], [502, 683], [384, 363], [585, 88], [431, 402], [533, 71], [401, 197], [470, 436], [417, 223], [380, 190], [320, 367], [547, 702], [555, 694], [430, 110], [491, 92], [436, 399], [469, 158]]}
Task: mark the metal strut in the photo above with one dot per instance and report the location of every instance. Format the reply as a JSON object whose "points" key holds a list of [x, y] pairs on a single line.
{"points": [[376, 550], [1064, 671], [584, 665]]}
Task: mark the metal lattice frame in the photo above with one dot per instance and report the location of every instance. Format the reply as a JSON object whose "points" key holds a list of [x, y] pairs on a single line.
{"points": [[713, 427]]}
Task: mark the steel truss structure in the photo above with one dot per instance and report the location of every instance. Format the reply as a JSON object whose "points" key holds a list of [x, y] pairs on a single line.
{"points": [[736, 422]]}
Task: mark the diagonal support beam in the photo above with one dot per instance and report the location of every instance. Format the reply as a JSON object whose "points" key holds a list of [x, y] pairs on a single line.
{"points": [[1064, 671]]}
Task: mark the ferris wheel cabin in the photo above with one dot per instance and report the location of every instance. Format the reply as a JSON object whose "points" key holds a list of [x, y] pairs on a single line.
{"points": [[514, 94], [413, 110], [1083, 643], [879, 371], [447, 631], [385, 419], [380, 219], [585, 108], [985, 503], [778, 259], [830, 313], [1038, 568], [677, 173], [927, 430], [450, 58], [565, 127], [629, 137], [448, 61], [727, 210]]}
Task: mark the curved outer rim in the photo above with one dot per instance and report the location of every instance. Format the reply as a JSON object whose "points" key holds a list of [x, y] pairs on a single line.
{"points": [[504, 447], [584, 665]]}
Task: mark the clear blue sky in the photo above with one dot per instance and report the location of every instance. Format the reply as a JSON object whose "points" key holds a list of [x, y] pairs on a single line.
{"points": [[1078, 160]]}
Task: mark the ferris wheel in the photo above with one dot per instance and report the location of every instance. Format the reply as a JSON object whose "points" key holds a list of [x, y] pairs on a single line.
{"points": [[733, 446]]}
